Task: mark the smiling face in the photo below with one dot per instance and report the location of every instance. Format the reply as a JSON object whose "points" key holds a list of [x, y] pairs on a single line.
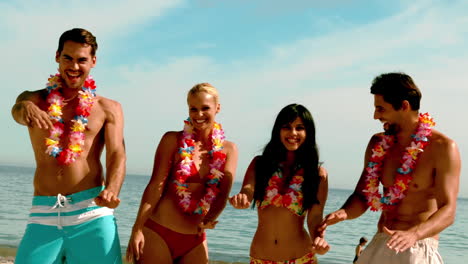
{"points": [[75, 62], [293, 134], [386, 114], [202, 110]]}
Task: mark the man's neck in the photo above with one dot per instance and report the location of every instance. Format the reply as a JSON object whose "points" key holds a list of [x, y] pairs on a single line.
{"points": [[69, 93], [407, 128]]}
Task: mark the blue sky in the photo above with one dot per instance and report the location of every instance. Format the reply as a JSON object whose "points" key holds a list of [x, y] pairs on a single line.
{"points": [[261, 55]]}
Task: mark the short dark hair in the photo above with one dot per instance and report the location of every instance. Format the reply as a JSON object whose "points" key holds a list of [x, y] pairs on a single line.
{"points": [[78, 35], [362, 240], [395, 87]]}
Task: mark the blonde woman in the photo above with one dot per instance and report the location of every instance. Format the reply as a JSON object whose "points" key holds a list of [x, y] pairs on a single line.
{"points": [[192, 176]]}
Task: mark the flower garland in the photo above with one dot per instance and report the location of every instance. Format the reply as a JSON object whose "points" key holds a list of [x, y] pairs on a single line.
{"points": [[78, 125], [184, 170], [291, 199], [403, 176]]}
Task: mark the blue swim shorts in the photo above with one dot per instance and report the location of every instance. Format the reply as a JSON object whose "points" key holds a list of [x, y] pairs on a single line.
{"points": [[70, 229]]}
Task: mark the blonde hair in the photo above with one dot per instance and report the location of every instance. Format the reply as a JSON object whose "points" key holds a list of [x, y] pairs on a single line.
{"points": [[206, 88]]}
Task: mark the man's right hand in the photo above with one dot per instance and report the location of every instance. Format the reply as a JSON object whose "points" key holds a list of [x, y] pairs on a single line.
{"points": [[239, 201], [108, 199], [331, 219], [33, 116], [135, 246]]}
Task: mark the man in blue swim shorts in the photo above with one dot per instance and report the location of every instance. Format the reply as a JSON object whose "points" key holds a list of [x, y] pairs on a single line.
{"points": [[71, 219]]}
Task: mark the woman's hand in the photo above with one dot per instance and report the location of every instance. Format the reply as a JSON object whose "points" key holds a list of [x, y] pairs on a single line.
{"points": [[239, 201], [320, 246], [135, 246]]}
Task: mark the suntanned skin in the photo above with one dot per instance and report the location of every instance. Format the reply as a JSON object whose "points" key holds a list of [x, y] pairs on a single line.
{"points": [[280, 234], [430, 203], [105, 129], [160, 201]]}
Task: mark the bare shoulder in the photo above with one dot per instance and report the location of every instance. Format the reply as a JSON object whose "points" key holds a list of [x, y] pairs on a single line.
{"points": [[111, 109], [33, 96], [108, 104], [375, 138], [254, 161], [170, 137], [323, 173], [169, 142], [230, 146], [440, 143]]}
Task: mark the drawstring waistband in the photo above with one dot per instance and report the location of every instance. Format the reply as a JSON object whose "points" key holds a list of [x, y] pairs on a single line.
{"points": [[62, 201]]}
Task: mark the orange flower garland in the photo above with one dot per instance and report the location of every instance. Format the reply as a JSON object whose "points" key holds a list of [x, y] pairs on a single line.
{"points": [[184, 171], [403, 178], [78, 125]]}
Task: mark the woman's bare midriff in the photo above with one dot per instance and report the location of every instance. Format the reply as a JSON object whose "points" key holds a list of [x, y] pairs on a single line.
{"points": [[280, 235], [168, 213]]}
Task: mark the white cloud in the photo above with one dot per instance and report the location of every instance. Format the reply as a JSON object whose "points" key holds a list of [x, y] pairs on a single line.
{"points": [[330, 74], [30, 32]]}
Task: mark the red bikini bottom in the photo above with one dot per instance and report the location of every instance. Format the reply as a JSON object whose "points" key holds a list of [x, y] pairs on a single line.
{"points": [[179, 244]]}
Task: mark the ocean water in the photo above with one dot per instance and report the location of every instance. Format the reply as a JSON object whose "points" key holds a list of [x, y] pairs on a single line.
{"points": [[230, 241]]}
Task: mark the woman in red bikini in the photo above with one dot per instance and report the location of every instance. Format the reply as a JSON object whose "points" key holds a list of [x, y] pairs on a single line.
{"points": [[192, 176], [287, 184]]}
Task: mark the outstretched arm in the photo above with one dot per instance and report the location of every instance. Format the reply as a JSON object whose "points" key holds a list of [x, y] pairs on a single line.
{"points": [[243, 199], [447, 180], [356, 204], [153, 191], [27, 112], [315, 214], [115, 154], [219, 203]]}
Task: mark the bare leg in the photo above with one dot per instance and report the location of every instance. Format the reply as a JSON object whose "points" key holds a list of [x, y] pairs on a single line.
{"points": [[155, 249], [198, 255]]}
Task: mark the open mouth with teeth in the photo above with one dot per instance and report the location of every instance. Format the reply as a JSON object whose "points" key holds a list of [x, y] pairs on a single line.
{"points": [[73, 76], [200, 121], [292, 140]]}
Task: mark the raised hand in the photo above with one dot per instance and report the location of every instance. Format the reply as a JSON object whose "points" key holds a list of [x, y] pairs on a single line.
{"points": [[331, 219], [33, 116], [108, 199], [239, 201]]}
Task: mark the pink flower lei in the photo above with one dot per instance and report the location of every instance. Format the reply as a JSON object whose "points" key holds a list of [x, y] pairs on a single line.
{"points": [[403, 177], [184, 170], [78, 125]]}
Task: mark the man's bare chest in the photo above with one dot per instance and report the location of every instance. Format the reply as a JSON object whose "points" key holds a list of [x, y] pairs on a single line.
{"points": [[93, 123], [421, 171]]}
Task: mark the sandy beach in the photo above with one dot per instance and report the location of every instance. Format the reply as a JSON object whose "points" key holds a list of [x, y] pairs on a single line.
{"points": [[7, 256]]}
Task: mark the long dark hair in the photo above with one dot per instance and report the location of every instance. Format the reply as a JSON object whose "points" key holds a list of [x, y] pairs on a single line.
{"points": [[306, 157]]}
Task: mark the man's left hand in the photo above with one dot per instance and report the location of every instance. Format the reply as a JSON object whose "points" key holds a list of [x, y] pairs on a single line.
{"points": [[108, 199], [400, 240]]}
